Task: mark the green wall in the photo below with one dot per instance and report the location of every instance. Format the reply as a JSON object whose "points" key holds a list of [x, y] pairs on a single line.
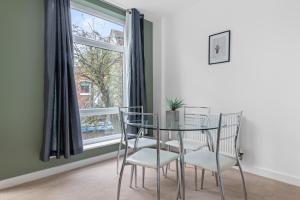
{"points": [[21, 87], [148, 43]]}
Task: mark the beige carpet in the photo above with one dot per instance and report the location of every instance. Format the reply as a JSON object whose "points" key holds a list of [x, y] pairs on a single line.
{"points": [[99, 182]]}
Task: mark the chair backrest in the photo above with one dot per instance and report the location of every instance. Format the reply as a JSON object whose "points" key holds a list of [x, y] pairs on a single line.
{"points": [[227, 141], [134, 109], [195, 115], [139, 109], [195, 111], [129, 119]]}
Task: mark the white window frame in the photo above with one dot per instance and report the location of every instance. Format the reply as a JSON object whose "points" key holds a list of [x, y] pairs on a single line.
{"points": [[96, 13], [94, 43], [107, 46]]}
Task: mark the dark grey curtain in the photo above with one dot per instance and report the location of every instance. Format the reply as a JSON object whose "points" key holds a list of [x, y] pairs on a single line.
{"points": [[137, 84], [62, 131]]}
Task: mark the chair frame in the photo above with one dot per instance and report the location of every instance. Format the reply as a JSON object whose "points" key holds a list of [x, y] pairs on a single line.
{"points": [[141, 108], [236, 149], [185, 115], [236, 146], [124, 163]]}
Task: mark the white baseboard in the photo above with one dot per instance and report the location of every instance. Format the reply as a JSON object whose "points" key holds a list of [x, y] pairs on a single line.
{"points": [[55, 170], [272, 174]]}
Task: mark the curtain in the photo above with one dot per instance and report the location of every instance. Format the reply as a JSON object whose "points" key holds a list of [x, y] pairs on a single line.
{"points": [[135, 61], [62, 131]]}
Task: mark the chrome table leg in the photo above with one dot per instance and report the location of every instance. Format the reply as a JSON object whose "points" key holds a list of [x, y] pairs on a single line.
{"points": [[196, 178], [135, 175], [143, 180], [182, 180]]}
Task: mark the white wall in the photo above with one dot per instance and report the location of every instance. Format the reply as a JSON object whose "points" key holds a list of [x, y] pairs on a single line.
{"points": [[262, 79]]}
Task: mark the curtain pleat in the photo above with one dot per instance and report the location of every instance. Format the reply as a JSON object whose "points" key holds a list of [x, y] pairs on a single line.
{"points": [[137, 89], [62, 131], [135, 60]]}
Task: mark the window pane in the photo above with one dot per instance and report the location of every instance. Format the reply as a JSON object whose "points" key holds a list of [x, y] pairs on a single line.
{"points": [[99, 82], [95, 28], [85, 87], [99, 126]]}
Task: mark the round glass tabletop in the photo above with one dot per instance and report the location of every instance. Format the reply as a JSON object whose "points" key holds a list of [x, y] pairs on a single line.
{"points": [[210, 122]]}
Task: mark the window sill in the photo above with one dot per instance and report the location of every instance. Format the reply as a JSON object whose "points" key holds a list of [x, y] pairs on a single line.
{"points": [[100, 144]]}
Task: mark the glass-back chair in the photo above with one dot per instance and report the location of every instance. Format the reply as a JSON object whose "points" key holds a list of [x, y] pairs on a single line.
{"points": [[154, 158], [192, 141], [226, 154]]}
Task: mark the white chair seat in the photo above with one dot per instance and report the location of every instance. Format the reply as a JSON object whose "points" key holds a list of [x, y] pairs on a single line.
{"points": [[189, 144], [207, 160], [148, 158], [142, 143]]}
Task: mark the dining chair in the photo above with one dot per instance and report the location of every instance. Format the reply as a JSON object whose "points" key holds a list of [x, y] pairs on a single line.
{"points": [[154, 158], [192, 141], [226, 154], [143, 140]]}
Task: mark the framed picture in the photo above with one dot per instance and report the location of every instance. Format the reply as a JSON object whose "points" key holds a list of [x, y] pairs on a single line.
{"points": [[219, 48]]}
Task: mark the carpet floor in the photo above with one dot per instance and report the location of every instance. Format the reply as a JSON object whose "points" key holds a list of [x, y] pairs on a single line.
{"points": [[99, 182]]}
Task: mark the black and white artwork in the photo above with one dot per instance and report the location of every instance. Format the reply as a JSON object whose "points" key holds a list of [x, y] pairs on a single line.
{"points": [[219, 48]]}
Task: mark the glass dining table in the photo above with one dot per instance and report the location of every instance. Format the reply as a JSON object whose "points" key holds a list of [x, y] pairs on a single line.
{"points": [[203, 125]]}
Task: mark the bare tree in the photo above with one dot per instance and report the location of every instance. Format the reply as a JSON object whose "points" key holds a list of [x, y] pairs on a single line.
{"points": [[100, 66]]}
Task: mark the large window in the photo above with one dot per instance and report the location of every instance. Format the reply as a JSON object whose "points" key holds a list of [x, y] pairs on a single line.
{"points": [[98, 69]]}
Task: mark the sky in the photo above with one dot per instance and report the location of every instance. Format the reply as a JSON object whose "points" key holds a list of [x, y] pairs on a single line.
{"points": [[84, 21]]}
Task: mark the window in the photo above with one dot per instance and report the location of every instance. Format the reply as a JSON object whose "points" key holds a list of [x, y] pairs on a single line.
{"points": [[98, 69], [85, 87]]}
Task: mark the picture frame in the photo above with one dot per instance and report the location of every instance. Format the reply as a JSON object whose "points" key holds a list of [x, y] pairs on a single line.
{"points": [[219, 47]]}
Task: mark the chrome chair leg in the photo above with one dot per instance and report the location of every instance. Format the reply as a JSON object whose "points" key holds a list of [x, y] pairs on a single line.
{"points": [[166, 174], [185, 151], [168, 165], [243, 180], [196, 178], [163, 171], [217, 181], [118, 157], [202, 178], [221, 185], [177, 172], [143, 180], [210, 145], [131, 175], [158, 183], [166, 171], [120, 180]]}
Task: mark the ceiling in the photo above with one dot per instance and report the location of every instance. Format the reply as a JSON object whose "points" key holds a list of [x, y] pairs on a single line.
{"points": [[155, 8]]}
